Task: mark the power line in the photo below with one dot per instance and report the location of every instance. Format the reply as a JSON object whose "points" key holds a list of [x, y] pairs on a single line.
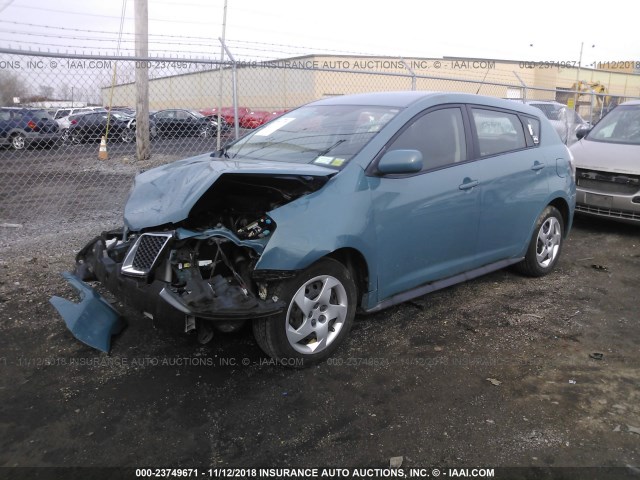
{"points": [[210, 40], [69, 12]]}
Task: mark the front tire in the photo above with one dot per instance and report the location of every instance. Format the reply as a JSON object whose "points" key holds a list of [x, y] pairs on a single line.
{"points": [[545, 244], [321, 305]]}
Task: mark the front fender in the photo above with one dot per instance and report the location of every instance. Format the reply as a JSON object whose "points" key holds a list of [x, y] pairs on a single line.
{"points": [[337, 216]]}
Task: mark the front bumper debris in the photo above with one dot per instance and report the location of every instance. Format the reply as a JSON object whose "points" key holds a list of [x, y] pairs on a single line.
{"points": [[158, 284], [92, 321]]}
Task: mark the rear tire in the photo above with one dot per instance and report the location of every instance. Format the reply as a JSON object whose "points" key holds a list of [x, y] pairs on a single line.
{"points": [[321, 305], [128, 135], [545, 245], [18, 141]]}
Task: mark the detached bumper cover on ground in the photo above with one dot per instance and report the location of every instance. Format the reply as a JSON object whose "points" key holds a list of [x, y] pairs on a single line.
{"points": [[92, 321]]}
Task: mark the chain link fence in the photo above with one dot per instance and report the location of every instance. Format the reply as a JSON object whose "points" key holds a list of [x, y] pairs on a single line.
{"points": [[53, 108]]}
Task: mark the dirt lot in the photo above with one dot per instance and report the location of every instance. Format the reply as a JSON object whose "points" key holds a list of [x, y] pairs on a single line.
{"points": [[412, 381]]}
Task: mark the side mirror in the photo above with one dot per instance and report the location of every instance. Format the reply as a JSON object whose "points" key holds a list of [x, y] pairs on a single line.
{"points": [[400, 161], [582, 131]]}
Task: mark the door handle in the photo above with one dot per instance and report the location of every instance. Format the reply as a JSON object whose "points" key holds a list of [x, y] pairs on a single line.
{"points": [[468, 184], [537, 166]]}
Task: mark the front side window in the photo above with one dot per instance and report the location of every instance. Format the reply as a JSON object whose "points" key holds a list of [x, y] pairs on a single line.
{"points": [[622, 125], [438, 135], [326, 135], [498, 132]]}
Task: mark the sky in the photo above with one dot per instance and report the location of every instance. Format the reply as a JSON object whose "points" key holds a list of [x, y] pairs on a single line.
{"points": [[541, 30]]}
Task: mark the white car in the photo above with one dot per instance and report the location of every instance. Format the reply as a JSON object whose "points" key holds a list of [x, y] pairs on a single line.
{"points": [[62, 114]]}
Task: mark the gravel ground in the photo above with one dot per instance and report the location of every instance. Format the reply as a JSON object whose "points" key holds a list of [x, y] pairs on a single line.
{"points": [[499, 371]]}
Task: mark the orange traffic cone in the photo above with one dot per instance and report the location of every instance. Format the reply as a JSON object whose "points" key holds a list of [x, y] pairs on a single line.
{"points": [[102, 154]]}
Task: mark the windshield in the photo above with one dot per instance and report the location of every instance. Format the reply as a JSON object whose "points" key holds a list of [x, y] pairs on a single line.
{"points": [[323, 134], [121, 116], [622, 125]]}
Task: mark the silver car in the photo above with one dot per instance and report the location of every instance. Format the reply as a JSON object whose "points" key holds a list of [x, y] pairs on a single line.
{"points": [[565, 121], [608, 166]]}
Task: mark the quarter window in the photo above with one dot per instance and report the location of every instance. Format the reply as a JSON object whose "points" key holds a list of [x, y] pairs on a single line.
{"points": [[532, 125], [498, 132], [438, 135]]}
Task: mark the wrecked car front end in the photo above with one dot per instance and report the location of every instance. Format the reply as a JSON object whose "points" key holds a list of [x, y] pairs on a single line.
{"points": [[193, 260]]}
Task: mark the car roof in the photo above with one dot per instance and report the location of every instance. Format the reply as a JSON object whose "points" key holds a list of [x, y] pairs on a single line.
{"points": [[545, 102], [403, 99]]}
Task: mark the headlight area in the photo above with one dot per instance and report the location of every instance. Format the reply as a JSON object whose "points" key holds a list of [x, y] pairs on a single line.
{"points": [[203, 274]]}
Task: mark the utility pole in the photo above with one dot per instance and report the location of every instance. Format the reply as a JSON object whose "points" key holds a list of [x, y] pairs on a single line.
{"points": [[143, 151], [220, 72]]}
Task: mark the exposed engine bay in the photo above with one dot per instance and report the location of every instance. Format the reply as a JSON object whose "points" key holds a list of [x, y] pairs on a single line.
{"points": [[204, 266], [239, 202]]}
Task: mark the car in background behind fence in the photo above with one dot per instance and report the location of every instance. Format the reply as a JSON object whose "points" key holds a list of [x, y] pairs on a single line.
{"points": [[21, 127]]}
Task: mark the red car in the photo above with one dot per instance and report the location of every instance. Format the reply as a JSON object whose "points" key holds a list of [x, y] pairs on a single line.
{"points": [[259, 117], [247, 118], [227, 113]]}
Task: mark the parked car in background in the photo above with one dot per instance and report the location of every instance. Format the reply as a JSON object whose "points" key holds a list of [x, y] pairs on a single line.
{"points": [[247, 118], [183, 123], [608, 166], [226, 113], [61, 113], [93, 126], [126, 110], [130, 134], [565, 120], [21, 127], [356, 202], [257, 118], [66, 122]]}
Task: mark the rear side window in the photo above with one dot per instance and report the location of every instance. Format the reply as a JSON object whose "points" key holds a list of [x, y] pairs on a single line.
{"points": [[438, 135], [498, 132], [5, 115]]}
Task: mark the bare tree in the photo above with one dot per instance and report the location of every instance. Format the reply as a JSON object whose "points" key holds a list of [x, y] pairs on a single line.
{"points": [[64, 92], [11, 86], [46, 91]]}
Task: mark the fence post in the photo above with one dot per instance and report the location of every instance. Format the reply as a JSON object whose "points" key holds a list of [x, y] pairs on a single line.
{"points": [[143, 150], [234, 85], [524, 87], [413, 74]]}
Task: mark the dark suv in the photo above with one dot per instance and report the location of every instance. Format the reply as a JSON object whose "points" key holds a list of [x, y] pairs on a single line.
{"points": [[20, 127]]}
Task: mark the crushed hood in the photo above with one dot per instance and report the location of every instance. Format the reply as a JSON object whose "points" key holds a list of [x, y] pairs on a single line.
{"points": [[168, 193], [607, 157]]}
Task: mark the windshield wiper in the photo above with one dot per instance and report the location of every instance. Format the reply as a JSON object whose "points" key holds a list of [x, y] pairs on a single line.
{"points": [[327, 150]]}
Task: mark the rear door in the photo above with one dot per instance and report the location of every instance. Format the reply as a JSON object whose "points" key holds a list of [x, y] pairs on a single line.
{"points": [[513, 176]]}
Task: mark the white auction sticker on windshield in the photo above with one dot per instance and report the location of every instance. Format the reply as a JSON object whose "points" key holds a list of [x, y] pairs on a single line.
{"points": [[273, 125]]}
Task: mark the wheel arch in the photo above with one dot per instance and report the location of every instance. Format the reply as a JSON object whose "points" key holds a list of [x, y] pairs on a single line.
{"points": [[563, 207], [355, 261]]}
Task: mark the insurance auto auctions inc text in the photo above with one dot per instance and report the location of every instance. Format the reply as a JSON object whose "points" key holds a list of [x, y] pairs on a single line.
{"points": [[348, 473]]}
